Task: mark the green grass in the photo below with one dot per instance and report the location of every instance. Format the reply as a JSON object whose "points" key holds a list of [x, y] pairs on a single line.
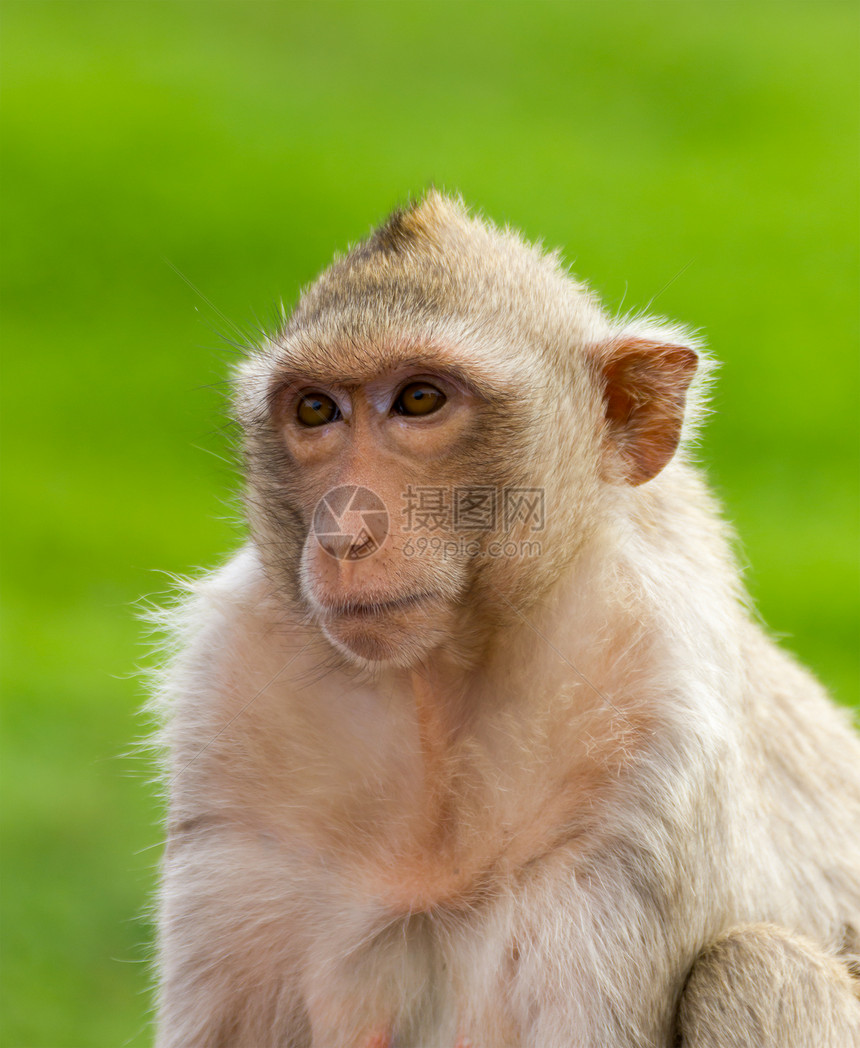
{"points": [[703, 153]]}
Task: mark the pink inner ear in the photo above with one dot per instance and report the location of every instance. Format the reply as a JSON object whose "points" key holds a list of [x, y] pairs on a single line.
{"points": [[645, 391]]}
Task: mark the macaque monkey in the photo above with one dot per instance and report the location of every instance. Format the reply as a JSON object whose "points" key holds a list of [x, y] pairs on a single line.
{"points": [[476, 742]]}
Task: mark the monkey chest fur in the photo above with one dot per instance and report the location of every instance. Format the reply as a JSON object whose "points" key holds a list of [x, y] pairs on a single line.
{"points": [[399, 885]]}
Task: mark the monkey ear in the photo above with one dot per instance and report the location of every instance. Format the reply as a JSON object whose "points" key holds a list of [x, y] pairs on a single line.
{"points": [[644, 392]]}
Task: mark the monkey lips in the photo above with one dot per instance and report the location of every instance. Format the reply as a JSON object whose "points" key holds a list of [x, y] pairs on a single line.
{"points": [[380, 630]]}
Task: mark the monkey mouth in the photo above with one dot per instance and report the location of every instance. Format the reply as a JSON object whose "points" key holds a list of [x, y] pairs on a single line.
{"points": [[353, 609], [387, 630]]}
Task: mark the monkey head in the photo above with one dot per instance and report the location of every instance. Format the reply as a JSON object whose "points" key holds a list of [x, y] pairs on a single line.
{"points": [[443, 402]]}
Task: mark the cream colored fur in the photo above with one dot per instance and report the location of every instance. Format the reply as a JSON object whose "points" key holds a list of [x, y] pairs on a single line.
{"points": [[639, 776]]}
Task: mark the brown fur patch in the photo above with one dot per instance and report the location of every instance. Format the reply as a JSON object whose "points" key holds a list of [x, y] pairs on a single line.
{"points": [[395, 234]]}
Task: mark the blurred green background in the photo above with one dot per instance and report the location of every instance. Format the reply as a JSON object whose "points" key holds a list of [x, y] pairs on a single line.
{"points": [[702, 155]]}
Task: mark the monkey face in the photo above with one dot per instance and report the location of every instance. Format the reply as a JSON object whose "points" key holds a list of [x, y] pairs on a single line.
{"points": [[366, 456], [439, 358]]}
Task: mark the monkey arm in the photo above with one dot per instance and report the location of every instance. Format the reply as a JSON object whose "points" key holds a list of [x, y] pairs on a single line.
{"points": [[757, 985], [229, 959]]}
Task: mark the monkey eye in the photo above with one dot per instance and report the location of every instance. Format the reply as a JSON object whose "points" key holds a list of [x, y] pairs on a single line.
{"points": [[316, 409], [418, 398]]}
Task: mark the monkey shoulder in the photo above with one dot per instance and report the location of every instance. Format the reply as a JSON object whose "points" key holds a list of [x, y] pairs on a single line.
{"points": [[230, 626], [233, 644], [792, 721]]}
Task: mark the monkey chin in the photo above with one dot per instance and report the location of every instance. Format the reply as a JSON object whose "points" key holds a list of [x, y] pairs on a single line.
{"points": [[402, 638]]}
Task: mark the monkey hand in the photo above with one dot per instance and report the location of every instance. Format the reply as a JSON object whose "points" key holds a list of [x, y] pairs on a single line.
{"points": [[757, 985]]}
